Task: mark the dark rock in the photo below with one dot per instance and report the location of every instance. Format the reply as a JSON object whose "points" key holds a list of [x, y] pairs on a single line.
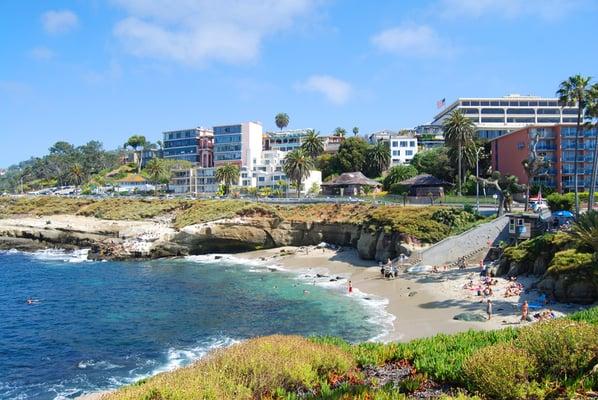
{"points": [[470, 317]]}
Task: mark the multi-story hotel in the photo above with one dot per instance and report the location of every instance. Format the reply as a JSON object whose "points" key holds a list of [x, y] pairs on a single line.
{"points": [[497, 116], [557, 145], [194, 145], [239, 144]]}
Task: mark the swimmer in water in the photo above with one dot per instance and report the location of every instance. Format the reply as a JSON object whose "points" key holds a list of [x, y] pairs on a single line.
{"points": [[306, 292], [29, 300]]}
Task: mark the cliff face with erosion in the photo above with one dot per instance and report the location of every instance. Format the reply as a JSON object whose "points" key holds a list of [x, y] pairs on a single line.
{"points": [[148, 239]]}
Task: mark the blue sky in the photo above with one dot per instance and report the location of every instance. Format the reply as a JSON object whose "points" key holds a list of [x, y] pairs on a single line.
{"points": [[105, 69]]}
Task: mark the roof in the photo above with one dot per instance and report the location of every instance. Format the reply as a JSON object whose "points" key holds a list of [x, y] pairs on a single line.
{"points": [[424, 180], [352, 178], [132, 178]]}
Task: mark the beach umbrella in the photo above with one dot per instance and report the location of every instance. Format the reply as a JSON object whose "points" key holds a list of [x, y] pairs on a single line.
{"points": [[564, 214]]}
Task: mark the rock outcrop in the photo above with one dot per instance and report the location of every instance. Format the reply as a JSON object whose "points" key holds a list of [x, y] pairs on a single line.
{"points": [[147, 239]]}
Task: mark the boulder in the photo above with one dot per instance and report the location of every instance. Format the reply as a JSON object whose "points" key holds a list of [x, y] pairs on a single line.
{"points": [[366, 245], [168, 249]]}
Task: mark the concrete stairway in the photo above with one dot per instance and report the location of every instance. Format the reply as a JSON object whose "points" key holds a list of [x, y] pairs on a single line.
{"points": [[469, 244]]}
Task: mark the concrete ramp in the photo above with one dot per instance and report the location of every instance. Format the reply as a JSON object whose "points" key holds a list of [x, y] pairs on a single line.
{"points": [[468, 244]]}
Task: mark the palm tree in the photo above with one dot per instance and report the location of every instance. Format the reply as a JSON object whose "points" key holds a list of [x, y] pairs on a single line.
{"points": [[341, 132], [281, 120], [592, 113], [585, 230], [574, 91], [137, 143], [458, 134], [157, 171], [77, 173], [355, 131], [297, 166], [227, 174], [313, 144], [378, 157]]}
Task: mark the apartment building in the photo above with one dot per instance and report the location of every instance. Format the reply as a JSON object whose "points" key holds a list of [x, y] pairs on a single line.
{"points": [[497, 116], [194, 145], [557, 144], [239, 144], [402, 149], [287, 140]]}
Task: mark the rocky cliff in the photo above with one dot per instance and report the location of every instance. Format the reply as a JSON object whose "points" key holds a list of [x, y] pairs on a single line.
{"points": [[147, 239]]}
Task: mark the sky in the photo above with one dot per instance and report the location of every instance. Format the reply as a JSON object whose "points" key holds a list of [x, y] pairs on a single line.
{"points": [[103, 70]]}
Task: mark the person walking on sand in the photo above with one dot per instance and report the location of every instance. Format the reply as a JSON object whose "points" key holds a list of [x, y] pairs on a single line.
{"points": [[489, 308], [350, 287], [524, 311]]}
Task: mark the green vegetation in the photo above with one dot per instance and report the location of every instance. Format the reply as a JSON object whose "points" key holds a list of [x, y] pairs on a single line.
{"points": [[228, 175], [297, 166], [428, 224], [281, 120], [458, 134], [64, 164], [397, 174], [550, 359]]}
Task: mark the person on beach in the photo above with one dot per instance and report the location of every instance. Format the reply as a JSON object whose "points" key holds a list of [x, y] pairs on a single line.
{"points": [[489, 308], [350, 287], [524, 311]]}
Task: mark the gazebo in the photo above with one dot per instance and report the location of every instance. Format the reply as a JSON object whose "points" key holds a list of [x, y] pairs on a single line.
{"points": [[424, 184], [349, 184]]}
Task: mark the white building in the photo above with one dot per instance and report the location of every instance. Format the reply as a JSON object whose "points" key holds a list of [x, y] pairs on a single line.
{"points": [[239, 144], [402, 149], [269, 173], [496, 116]]}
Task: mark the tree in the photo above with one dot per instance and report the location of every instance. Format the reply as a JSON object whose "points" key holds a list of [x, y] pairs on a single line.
{"points": [[340, 132], [458, 133], [281, 120], [137, 143], [592, 114], [585, 231], [533, 166], [378, 159], [227, 174], [434, 162], [351, 155], [77, 174], [574, 92], [397, 174], [355, 131], [327, 164], [158, 171], [297, 166], [313, 144], [506, 186]]}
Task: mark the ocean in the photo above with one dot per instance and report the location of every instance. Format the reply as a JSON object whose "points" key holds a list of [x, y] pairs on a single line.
{"points": [[100, 325]]}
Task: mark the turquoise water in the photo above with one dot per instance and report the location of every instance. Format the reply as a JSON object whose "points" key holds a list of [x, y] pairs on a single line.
{"points": [[99, 325]]}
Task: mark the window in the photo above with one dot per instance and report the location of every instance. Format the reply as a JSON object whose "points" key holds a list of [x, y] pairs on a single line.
{"points": [[396, 153], [492, 111], [412, 143], [469, 110], [261, 179], [403, 143], [408, 152], [395, 143]]}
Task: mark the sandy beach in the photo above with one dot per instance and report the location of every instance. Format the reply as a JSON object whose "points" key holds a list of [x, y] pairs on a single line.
{"points": [[423, 304]]}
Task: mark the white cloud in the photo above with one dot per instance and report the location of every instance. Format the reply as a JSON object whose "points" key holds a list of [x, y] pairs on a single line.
{"points": [[412, 40], [200, 31], [55, 22], [335, 90], [41, 53], [546, 9]]}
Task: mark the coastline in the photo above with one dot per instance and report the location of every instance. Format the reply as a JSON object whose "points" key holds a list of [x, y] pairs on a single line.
{"points": [[423, 304]]}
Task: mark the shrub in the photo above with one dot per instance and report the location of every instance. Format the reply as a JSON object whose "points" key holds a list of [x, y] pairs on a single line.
{"points": [[569, 260], [257, 368], [562, 348], [558, 202], [501, 371]]}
